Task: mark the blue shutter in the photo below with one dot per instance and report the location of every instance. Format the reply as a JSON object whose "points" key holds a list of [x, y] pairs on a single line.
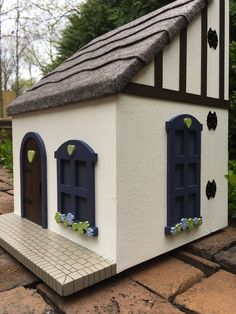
{"points": [[75, 180], [183, 169]]}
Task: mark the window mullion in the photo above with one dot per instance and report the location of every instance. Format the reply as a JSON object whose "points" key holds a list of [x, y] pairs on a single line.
{"points": [[186, 155], [73, 196]]}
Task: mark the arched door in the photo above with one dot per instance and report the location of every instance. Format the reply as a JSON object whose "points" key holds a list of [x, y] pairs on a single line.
{"points": [[33, 179]]}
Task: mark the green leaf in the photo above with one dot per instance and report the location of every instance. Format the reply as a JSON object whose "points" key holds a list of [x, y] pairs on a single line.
{"points": [[58, 217], [232, 180]]}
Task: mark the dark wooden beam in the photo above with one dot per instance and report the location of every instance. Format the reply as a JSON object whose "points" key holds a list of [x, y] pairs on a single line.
{"points": [[159, 70], [183, 60], [176, 96]]}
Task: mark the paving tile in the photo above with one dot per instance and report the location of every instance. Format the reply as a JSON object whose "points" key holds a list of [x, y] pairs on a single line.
{"points": [[227, 259], [167, 276], [212, 244], [22, 301], [26, 241], [13, 274], [213, 295], [117, 296], [206, 266]]}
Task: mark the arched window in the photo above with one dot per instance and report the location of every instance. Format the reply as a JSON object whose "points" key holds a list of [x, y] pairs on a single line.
{"points": [[183, 171], [75, 180]]}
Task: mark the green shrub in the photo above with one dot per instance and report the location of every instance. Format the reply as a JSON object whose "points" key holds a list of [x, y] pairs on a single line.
{"points": [[232, 188], [6, 158]]}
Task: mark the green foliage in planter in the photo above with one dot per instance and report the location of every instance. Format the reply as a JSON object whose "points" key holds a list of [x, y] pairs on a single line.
{"points": [[232, 188], [6, 157]]}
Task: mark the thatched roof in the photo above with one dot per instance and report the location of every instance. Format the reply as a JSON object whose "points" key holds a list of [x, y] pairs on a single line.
{"points": [[105, 65]]}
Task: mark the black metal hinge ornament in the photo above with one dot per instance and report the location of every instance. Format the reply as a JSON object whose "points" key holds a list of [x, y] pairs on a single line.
{"points": [[212, 38], [211, 189], [212, 121]]}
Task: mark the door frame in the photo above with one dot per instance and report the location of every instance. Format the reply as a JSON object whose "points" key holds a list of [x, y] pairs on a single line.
{"points": [[43, 160]]}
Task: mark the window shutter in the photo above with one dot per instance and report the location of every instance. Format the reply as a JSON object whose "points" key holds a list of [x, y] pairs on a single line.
{"points": [[75, 180], [183, 171]]}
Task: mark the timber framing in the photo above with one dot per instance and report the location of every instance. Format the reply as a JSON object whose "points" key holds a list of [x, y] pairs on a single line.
{"points": [[177, 96], [158, 92]]}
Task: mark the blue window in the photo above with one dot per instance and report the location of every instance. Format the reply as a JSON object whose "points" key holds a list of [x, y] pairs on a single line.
{"points": [[75, 180], [183, 170]]}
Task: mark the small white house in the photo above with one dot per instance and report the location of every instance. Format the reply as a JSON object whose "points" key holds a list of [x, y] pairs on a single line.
{"points": [[125, 143]]}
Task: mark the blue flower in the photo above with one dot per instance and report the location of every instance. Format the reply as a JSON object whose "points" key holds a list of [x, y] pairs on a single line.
{"points": [[195, 220], [184, 223], [90, 232], [70, 219], [63, 217], [173, 231]]}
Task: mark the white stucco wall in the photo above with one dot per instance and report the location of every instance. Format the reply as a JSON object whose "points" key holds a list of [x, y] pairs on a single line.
{"points": [[171, 64], [142, 177], [145, 75], [194, 43], [94, 123]]}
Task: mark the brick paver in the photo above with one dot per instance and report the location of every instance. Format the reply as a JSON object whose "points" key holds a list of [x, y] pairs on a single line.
{"points": [[215, 294], [5, 177], [206, 266], [23, 301], [116, 296], [6, 203], [167, 277], [227, 258], [209, 246], [13, 274], [6, 192]]}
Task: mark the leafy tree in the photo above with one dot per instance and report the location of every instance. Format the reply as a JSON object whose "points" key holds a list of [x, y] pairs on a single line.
{"points": [[22, 85], [6, 156], [96, 17], [232, 82]]}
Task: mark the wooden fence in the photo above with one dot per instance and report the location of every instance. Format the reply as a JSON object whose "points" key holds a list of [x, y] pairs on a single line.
{"points": [[8, 97], [5, 121]]}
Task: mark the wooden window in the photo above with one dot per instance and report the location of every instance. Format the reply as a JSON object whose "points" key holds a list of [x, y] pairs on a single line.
{"points": [[75, 180], [183, 169]]}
